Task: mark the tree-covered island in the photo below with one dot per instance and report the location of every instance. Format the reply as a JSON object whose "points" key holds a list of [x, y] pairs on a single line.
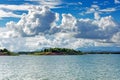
{"points": [[54, 51]]}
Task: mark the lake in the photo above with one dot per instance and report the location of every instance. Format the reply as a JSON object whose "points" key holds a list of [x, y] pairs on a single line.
{"points": [[82, 67]]}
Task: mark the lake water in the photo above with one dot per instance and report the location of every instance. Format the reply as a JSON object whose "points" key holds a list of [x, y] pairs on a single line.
{"points": [[83, 67]]}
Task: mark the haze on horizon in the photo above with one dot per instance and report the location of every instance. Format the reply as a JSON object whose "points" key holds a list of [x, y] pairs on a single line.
{"points": [[27, 25]]}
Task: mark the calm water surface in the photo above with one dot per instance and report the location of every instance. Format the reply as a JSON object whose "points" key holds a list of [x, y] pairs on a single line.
{"points": [[83, 67]]}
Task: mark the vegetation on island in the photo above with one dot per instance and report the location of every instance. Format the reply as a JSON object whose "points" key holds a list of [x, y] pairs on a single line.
{"points": [[55, 51], [52, 51], [5, 52]]}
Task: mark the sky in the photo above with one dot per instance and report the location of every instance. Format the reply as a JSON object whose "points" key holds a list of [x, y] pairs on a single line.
{"points": [[87, 25]]}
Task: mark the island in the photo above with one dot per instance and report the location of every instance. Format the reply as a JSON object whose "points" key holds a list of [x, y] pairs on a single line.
{"points": [[54, 51], [5, 52]]}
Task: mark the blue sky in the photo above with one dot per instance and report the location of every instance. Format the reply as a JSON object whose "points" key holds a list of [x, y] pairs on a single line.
{"points": [[68, 22]]}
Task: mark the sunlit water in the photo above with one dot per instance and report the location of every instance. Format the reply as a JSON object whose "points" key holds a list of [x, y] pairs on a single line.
{"points": [[83, 67]]}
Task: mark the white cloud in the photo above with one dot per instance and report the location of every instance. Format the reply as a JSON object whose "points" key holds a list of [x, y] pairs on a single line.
{"points": [[38, 21], [15, 7], [68, 22], [96, 9], [116, 37], [49, 3], [108, 10], [11, 43], [7, 10], [80, 3], [92, 9], [25, 7], [96, 16], [5, 33], [117, 1], [64, 40], [107, 22], [100, 28], [8, 14], [95, 6], [77, 3]]}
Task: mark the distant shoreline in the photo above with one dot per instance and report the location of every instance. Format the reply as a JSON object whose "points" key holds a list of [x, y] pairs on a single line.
{"points": [[52, 51], [102, 52]]}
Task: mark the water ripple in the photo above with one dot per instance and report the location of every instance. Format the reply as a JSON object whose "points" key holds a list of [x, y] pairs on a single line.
{"points": [[84, 67]]}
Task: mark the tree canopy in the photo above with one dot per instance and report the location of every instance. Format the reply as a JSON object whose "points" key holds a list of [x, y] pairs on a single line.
{"points": [[57, 51]]}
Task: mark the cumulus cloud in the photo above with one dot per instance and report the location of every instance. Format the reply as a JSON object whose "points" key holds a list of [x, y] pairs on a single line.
{"points": [[98, 28], [101, 29], [68, 22], [38, 29], [5, 33], [38, 21], [116, 37]]}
